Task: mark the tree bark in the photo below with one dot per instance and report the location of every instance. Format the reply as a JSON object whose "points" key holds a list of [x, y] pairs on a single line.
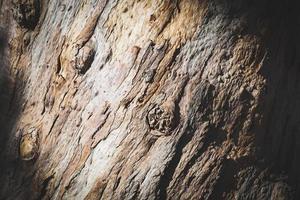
{"points": [[185, 99]]}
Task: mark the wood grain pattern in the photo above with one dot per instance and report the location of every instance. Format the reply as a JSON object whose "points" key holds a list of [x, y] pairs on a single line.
{"points": [[185, 99]]}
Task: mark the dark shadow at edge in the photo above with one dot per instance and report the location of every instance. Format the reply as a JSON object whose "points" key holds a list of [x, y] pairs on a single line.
{"points": [[11, 100]]}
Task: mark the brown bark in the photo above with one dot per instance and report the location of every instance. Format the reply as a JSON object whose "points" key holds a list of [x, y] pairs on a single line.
{"points": [[181, 99]]}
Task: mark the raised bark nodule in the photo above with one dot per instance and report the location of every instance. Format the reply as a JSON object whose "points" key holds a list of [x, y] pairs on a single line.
{"points": [[185, 99]]}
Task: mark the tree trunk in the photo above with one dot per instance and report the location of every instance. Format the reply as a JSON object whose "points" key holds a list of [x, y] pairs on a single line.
{"points": [[185, 99]]}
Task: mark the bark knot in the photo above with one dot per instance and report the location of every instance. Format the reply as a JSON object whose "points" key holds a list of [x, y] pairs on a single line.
{"points": [[29, 145], [149, 75], [161, 118], [84, 59]]}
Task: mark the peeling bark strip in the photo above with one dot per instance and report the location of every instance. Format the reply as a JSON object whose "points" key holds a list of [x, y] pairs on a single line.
{"points": [[185, 99]]}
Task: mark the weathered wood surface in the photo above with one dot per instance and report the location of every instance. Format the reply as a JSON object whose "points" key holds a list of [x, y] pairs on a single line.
{"points": [[150, 100]]}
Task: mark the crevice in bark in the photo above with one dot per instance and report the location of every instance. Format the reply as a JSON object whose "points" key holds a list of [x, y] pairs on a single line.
{"points": [[188, 132], [44, 187]]}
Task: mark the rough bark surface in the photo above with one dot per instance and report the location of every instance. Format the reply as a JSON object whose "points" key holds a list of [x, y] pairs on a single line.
{"points": [[185, 99]]}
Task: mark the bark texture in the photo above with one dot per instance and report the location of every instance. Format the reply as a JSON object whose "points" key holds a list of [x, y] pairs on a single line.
{"points": [[185, 99]]}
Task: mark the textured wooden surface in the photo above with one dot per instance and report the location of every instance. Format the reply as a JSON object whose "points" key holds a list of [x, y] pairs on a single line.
{"points": [[133, 99]]}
